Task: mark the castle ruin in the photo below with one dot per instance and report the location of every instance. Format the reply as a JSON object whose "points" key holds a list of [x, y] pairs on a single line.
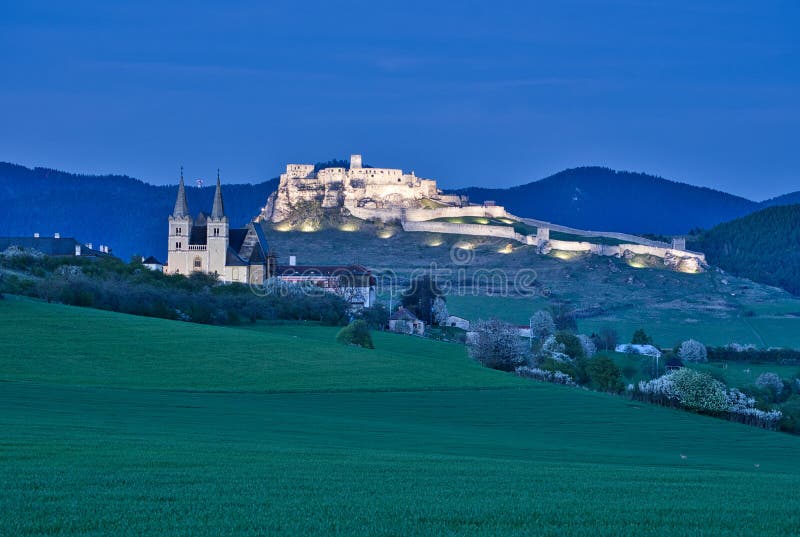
{"points": [[356, 187]]}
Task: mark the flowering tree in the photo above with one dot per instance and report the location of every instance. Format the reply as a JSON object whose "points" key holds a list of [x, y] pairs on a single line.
{"points": [[542, 325], [439, 311], [771, 382], [693, 351], [698, 391], [497, 345], [589, 348]]}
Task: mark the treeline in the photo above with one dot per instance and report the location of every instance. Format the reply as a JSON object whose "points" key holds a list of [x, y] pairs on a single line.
{"points": [[763, 246], [125, 213], [110, 284]]}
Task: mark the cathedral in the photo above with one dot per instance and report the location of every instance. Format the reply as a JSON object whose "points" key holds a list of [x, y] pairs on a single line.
{"points": [[208, 245]]}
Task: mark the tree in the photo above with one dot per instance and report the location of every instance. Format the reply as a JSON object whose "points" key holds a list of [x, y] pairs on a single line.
{"points": [[542, 325], [692, 351], [356, 333], [589, 347], [439, 311], [640, 337], [604, 374], [606, 340], [771, 383], [419, 297], [376, 316], [497, 345], [564, 316], [571, 344]]}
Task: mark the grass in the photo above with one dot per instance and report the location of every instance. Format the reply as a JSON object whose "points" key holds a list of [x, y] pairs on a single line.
{"points": [[94, 444]]}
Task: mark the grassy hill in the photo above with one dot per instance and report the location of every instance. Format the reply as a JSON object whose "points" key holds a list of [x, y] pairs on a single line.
{"points": [[250, 439], [714, 308]]}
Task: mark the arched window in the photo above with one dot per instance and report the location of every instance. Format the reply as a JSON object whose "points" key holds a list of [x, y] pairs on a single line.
{"points": [[198, 263]]}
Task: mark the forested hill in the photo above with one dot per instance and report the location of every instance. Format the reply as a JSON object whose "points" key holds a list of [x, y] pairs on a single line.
{"points": [[607, 200], [127, 214], [763, 246]]}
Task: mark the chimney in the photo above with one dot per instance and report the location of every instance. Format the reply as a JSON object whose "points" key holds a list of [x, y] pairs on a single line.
{"points": [[57, 235], [77, 249], [35, 235], [292, 260]]}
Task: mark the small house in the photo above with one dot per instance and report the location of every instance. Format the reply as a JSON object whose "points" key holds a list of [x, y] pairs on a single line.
{"points": [[405, 322]]}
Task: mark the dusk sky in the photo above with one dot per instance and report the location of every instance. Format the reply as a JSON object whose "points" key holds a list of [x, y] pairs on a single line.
{"points": [[469, 93]]}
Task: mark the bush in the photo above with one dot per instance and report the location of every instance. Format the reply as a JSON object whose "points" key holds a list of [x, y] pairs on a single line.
{"points": [[692, 351], [698, 391], [356, 333], [771, 382], [542, 325]]}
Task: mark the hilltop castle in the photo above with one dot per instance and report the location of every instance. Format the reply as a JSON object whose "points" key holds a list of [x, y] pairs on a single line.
{"points": [[356, 187], [208, 245]]}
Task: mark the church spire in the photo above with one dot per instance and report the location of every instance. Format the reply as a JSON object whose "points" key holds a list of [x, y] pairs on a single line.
{"points": [[218, 211], [181, 206]]}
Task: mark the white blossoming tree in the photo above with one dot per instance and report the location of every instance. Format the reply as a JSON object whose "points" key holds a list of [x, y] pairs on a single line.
{"points": [[439, 311], [497, 345], [693, 351], [542, 325]]}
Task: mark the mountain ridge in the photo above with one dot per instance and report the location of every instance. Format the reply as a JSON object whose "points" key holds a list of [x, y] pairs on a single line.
{"points": [[130, 214]]}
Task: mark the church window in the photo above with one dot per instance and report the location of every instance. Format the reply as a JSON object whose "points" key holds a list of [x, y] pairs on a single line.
{"points": [[216, 232], [198, 264]]}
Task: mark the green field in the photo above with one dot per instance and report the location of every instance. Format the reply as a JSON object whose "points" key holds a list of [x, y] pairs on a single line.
{"points": [[117, 425]]}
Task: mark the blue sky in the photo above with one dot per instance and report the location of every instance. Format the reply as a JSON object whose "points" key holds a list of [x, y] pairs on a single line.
{"points": [[470, 93]]}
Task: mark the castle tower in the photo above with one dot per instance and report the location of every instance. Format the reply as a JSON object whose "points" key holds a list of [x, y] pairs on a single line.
{"points": [[217, 234], [180, 227]]}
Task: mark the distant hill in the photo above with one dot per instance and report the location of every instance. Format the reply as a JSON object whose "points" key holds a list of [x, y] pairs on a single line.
{"points": [[602, 199], [763, 246], [125, 213], [787, 199], [130, 215]]}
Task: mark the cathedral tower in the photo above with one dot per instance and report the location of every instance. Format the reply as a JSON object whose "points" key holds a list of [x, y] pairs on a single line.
{"points": [[217, 234], [180, 228]]}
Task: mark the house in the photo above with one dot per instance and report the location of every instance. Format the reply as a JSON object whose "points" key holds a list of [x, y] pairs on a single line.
{"points": [[405, 322], [153, 264], [354, 283], [458, 322], [646, 350], [208, 245], [56, 246]]}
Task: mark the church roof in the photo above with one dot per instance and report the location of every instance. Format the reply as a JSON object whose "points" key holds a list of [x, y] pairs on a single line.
{"points": [[152, 261], [218, 211], [181, 205]]}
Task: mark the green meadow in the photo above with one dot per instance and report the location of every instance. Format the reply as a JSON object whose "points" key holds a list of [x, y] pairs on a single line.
{"points": [[119, 425]]}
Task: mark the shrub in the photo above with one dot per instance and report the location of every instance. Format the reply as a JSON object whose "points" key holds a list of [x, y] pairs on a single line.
{"points": [[692, 351], [556, 377], [356, 333], [698, 391], [497, 345], [570, 344]]}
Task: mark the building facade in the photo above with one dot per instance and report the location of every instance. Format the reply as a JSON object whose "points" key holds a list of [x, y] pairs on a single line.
{"points": [[208, 245]]}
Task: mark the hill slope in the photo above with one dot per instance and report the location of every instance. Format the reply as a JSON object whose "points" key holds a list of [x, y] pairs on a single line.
{"points": [[515, 460], [763, 246], [127, 214], [607, 200]]}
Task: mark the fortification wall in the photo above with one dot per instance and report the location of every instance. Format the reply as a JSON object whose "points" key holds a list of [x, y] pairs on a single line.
{"points": [[421, 215], [507, 232]]}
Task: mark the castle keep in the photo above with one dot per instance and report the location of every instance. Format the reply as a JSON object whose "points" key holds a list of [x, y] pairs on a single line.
{"points": [[208, 245], [356, 187]]}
